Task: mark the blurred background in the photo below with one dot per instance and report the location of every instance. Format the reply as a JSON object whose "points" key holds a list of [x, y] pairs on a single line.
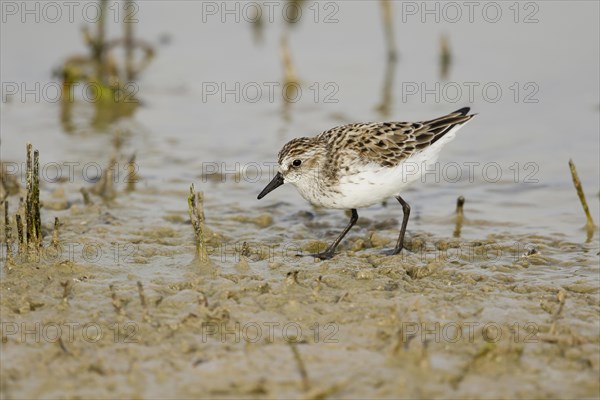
{"points": [[218, 78]]}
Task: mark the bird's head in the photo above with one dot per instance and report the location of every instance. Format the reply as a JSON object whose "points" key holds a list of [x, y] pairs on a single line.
{"points": [[300, 162]]}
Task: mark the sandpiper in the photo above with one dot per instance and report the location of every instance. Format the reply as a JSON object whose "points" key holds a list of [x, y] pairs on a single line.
{"points": [[358, 165]]}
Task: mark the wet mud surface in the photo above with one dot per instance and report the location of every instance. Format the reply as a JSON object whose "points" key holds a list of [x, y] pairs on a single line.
{"points": [[447, 317]]}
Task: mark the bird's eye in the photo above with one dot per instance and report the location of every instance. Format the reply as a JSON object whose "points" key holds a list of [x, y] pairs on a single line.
{"points": [[296, 163]]}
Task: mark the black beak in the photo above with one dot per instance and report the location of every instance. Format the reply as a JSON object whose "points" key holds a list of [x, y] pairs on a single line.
{"points": [[274, 184]]}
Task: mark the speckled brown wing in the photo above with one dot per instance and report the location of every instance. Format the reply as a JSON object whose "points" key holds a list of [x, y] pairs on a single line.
{"points": [[389, 143]]}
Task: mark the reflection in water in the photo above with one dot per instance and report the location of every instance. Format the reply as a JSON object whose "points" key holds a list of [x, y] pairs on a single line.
{"points": [[291, 83], [105, 187], [293, 11], [105, 112], [460, 203], [132, 176], [445, 58], [386, 90], [130, 69], [390, 66], [66, 110], [388, 26], [258, 26], [99, 78]]}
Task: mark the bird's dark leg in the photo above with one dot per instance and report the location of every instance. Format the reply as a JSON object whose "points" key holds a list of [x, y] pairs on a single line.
{"points": [[406, 212], [329, 253]]}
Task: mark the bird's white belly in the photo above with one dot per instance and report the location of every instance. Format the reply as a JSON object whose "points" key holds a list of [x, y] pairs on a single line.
{"points": [[375, 183], [371, 186]]}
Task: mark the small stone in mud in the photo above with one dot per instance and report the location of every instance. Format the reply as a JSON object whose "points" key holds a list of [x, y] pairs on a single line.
{"points": [[414, 244], [581, 288], [378, 240], [443, 245], [242, 265], [263, 221], [57, 205], [416, 272], [357, 245], [365, 275], [263, 288], [531, 252], [315, 246], [291, 278], [391, 286]]}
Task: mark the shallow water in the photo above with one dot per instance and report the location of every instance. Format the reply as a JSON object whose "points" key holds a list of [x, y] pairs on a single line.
{"points": [[369, 325]]}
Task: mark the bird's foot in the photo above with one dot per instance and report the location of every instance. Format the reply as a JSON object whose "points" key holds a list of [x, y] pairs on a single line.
{"points": [[326, 255], [392, 252]]}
